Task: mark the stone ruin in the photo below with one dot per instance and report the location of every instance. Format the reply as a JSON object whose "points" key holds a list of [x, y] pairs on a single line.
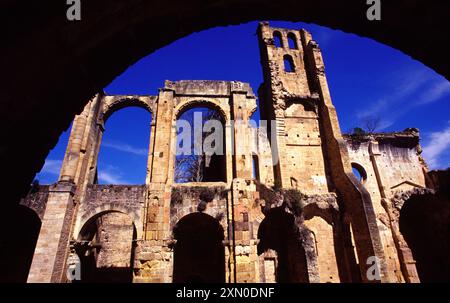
{"points": [[291, 211]]}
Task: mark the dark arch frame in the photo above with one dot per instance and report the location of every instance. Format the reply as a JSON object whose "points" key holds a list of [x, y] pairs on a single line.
{"points": [[76, 54]]}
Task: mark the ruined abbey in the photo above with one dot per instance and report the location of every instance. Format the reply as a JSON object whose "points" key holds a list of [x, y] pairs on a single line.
{"points": [[281, 205]]}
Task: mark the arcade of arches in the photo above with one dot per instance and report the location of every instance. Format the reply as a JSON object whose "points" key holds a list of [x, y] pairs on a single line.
{"points": [[305, 208]]}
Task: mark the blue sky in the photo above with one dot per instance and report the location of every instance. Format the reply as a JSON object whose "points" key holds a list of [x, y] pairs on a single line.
{"points": [[366, 78]]}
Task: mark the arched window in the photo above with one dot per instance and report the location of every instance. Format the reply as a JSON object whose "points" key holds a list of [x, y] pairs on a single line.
{"points": [[292, 41], [124, 149], [359, 172], [277, 39], [200, 156], [289, 66]]}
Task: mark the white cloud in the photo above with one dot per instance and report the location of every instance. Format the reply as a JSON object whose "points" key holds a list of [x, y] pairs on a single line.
{"points": [[419, 88], [108, 177], [439, 143], [438, 90], [401, 88], [111, 175], [126, 148], [52, 167]]}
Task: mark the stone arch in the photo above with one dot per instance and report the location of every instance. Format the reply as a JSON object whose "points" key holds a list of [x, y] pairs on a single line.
{"points": [[424, 223], [89, 216], [277, 39], [199, 253], [199, 102], [111, 104], [106, 248], [219, 164], [189, 203], [292, 40], [361, 171], [289, 64], [279, 232], [324, 206]]}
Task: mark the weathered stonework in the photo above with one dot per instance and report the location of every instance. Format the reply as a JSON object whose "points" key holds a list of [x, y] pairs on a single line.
{"points": [[296, 214]]}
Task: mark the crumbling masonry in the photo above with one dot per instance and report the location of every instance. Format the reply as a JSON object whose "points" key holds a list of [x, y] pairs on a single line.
{"points": [[291, 211]]}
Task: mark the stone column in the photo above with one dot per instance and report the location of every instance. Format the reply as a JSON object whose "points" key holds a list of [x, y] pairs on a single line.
{"points": [[242, 137], [245, 240], [70, 164], [52, 248]]}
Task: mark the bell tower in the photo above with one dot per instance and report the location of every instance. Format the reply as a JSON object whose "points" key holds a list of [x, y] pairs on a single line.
{"points": [[288, 97]]}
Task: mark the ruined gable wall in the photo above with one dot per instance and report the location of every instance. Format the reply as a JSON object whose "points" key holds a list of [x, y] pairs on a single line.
{"points": [[391, 163]]}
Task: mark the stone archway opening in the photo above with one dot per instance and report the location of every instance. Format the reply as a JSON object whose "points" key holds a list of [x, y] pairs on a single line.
{"points": [[106, 248], [124, 145], [200, 145], [199, 254], [425, 225], [278, 232]]}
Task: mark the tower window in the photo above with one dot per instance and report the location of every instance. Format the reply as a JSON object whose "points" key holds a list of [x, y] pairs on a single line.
{"points": [[289, 66], [255, 167], [359, 172], [292, 41], [277, 39]]}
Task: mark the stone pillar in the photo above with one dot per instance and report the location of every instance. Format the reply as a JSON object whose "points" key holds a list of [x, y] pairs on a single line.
{"points": [[52, 248], [309, 245], [245, 240], [72, 156], [163, 138], [242, 136]]}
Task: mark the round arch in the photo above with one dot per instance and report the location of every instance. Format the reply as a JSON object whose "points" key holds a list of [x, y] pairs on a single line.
{"points": [[115, 104], [359, 172], [199, 254], [88, 217], [182, 107], [98, 263], [218, 169], [279, 232], [424, 223]]}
